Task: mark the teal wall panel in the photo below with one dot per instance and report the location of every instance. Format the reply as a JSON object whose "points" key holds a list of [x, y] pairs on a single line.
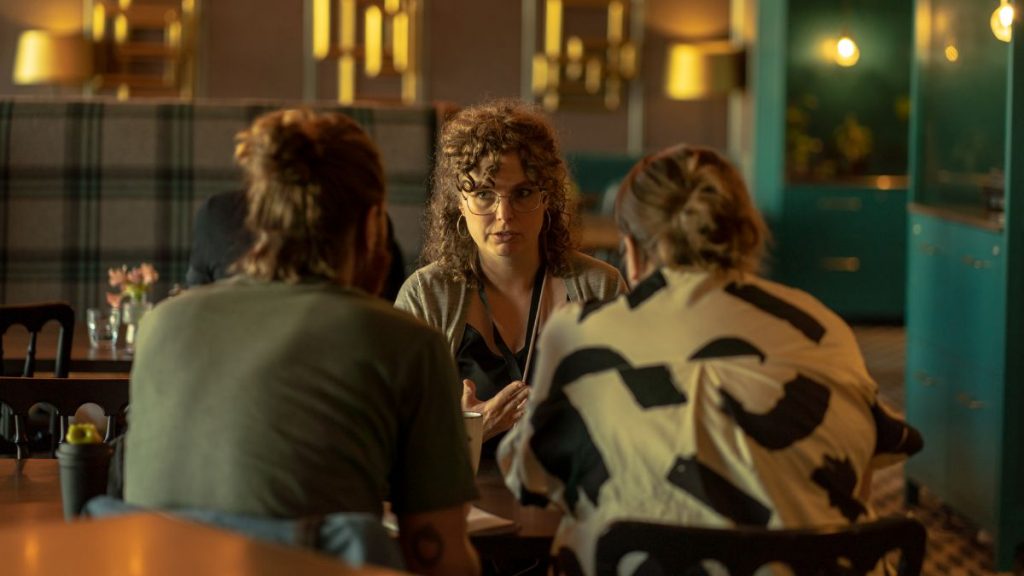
{"points": [[965, 315]]}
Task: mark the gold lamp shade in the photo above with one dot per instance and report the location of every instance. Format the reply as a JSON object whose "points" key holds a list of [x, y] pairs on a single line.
{"points": [[46, 58], [703, 70]]}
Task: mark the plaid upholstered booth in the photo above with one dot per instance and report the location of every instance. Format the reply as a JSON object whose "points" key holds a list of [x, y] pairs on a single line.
{"points": [[90, 184]]}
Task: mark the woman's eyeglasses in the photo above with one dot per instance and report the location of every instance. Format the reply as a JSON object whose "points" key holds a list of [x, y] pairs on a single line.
{"points": [[484, 202]]}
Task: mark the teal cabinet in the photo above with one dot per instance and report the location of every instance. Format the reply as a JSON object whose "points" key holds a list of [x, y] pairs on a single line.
{"points": [[956, 376], [956, 318], [847, 246]]}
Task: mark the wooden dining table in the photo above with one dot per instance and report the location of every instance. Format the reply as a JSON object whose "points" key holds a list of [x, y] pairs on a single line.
{"points": [[84, 358], [155, 545], [30, 494]]}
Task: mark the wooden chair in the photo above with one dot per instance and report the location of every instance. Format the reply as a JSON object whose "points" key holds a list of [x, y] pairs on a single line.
{"points": [[66, 395], [33, 317], [845, 550]]}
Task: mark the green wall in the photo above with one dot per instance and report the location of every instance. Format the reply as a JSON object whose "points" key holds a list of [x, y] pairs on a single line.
{"points": [[866, 104]]}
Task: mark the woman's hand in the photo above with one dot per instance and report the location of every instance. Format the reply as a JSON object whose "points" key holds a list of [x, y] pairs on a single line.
{"points": [[500, 412]]}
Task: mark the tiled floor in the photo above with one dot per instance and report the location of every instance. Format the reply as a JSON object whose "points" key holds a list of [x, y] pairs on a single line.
{"points": [[953, 546]]}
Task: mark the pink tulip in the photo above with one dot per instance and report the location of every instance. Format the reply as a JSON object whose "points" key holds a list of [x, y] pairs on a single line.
{"points": [[116, 276], [149, 274], [113, 299]]}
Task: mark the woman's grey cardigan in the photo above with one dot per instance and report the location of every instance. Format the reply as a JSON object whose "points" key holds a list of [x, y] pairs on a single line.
{"points": [[441, 301]]}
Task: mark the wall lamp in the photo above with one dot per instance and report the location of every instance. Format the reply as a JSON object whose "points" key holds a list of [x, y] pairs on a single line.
{"points": [[704, 70], [1002, 21], [43, 57], [145, 47], [381, 34], [588, 53]]}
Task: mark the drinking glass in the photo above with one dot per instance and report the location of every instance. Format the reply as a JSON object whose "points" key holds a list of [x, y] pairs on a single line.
{"points": [[103, 326]]}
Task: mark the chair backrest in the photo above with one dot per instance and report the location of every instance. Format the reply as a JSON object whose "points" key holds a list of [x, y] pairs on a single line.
{"points": [[33, 317], [65, 395], [845, 550]]}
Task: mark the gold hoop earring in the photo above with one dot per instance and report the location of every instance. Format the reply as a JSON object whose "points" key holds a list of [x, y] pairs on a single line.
{"points": [[458, 228]]}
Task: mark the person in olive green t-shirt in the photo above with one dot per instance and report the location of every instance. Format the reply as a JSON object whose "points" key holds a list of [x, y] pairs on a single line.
{"points": [[290, 390]]}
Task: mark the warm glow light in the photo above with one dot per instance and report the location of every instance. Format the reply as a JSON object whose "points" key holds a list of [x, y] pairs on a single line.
{"points": [[99, 22], [554, 75], [409, 88], [1006, 15], [124, 4], [346, 79], [611, 94], [373, 29], [392, 6], [539, 78], [701, 70], [847, 52], [45, 58], [553, 28], [321, 28], [952, 54], [592, 78], [615, 22], [121, 29], [551, 100], [574, 55], [347, 62], [400, 41], [172, 34], [347, 25], [31, 551], [627, 60], [1002, 21]]}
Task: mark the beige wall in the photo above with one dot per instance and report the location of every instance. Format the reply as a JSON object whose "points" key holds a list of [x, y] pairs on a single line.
{"points": [[253, 49]]}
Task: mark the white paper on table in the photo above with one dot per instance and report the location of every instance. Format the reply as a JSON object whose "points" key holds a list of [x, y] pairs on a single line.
{"points": [[477, 521], [482, 520]]}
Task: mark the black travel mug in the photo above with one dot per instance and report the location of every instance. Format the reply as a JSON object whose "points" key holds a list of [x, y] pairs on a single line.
{"points": [[83, 474]]}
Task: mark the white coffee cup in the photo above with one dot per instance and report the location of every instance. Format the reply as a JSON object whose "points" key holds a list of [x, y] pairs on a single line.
{"points": [[475, 433]]}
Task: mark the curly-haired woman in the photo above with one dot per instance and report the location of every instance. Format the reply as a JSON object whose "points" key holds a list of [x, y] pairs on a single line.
{"points": [[499, 253]]}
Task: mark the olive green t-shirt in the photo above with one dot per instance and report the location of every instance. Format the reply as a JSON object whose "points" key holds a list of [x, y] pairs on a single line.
{"points": [[290, 400]]}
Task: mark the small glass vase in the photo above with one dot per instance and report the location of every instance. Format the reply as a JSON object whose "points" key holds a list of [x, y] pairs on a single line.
{"points": [[132, 313]]}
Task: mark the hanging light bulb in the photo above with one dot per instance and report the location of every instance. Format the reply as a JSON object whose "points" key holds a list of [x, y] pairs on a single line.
{"points": [[1002, 21], [847, 52], [951, 52]]}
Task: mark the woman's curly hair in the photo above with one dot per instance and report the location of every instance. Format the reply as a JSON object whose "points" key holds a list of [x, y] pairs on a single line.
{"points": [[311, 180], [490, 130], [687, 206]]}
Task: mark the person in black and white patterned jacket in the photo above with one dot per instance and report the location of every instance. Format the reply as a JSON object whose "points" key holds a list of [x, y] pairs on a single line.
{"points": [[708, 395]]}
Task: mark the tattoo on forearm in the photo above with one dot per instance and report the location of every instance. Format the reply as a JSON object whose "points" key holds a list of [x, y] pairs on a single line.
{"points": [[427, 546]]}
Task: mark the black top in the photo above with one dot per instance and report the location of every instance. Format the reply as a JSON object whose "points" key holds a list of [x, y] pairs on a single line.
{"points": [[488, 370], [220, 238]]}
